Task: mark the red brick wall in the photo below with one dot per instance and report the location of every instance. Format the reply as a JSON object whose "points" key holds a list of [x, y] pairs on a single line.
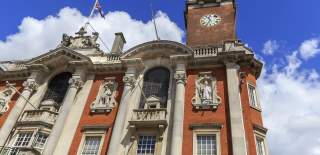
{"points": [[88, 119], [221, 115], [199, 35], [13, 99], [250, 114]]}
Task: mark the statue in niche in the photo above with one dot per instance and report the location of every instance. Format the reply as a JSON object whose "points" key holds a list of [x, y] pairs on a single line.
{"points": [[105, 101], [206, 95], [5, 97]]}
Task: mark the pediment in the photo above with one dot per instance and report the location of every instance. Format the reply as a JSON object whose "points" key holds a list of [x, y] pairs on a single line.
{"points": [[153, 49], [59, 56]]}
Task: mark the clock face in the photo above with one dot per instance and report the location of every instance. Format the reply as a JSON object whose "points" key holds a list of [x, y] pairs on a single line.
{"points": [[210, 20]]}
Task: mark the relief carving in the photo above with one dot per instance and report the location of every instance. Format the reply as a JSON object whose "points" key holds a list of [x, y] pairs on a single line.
{"points": [[206, 93], [5, 98], [106, 98]]}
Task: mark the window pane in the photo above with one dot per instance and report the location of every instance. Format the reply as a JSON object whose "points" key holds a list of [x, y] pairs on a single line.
{"points": [[91, 145], [252, 96], [156, 82], [206, 145], [146, 145], [40, 140], [23, 139], [260, 146]]}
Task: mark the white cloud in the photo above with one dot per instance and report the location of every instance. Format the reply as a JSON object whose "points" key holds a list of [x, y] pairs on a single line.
{"points": [[291, 107], [37, 36], [270, 47], [310, 48]]}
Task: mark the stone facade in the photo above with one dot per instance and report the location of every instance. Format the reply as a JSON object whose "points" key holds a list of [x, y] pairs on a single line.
{"points": [[167, 92]]}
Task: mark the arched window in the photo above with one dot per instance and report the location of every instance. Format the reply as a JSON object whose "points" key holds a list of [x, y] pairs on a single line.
{"points": [[58, 87], [156, 83]]}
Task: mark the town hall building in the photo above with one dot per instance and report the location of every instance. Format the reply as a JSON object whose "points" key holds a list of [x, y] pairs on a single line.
{"points": [[157, 98]]}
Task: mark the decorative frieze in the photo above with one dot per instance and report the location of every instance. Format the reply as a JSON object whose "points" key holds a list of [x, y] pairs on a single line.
{"points": [[5, 98], [205, 92], [106, 98]]}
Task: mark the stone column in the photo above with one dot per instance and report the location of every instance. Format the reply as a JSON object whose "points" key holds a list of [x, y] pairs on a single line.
{"points": [[75, 83], [178, 115], [30, 86], [129, 80], [236, 117]]}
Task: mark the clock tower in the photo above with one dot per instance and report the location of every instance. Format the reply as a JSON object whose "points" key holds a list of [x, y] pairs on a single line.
{"points": [[210, 22]]}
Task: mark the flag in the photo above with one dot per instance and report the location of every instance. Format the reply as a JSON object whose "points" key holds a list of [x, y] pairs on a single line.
{"points": [[99, 8]]}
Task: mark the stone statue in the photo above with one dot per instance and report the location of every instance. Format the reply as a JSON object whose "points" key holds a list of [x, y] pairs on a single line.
{"points": [[5, 98], [81, 40], [66, 40], [105, 100], [206, 93]]}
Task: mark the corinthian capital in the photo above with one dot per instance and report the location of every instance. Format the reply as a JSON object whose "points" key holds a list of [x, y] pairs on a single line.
{"points": [[30, 85], [75, 83], [129, 80], [180, 77]]}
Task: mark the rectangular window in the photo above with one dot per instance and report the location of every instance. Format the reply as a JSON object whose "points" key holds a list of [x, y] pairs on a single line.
{"points": [[40, 140], [146, 145], [91, 145], [23, 139], [206, 145], [252, 96], [260, 146]]}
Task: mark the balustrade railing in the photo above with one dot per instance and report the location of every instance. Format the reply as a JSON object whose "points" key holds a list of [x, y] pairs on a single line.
{"points": [[44, 116]]}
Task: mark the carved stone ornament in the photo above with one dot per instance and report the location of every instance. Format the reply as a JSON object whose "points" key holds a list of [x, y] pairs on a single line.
{"points": [[106, 98], [80, 41], [180, 77], [30, 85], [75, 83], [206, 93], [5, 98], [129, 80]]}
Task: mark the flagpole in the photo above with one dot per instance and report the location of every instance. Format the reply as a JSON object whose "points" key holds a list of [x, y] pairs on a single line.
{"points": [[154, 22], [93, 8]]}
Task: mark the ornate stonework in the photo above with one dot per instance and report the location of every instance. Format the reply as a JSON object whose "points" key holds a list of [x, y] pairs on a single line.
{"points": [[180, 77], [75, 83], [5, 98], [129, 80], [106, 98], [30, 85], [206, 93], [80, 41]]}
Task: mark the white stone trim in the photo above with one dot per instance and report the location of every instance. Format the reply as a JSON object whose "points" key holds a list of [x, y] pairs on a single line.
{"points": [[91, 133], [215, 132]]}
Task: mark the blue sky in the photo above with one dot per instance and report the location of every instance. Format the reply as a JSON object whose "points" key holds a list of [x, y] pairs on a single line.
{"points": [[284, 34]]}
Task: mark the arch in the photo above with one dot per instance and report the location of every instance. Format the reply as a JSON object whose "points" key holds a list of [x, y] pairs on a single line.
{"points": [[58, 87], [156, 83]]}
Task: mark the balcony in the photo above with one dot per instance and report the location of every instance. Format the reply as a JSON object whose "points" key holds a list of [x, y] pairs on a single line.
{"points": [[38, 117], [153, 117], [18, 151]]}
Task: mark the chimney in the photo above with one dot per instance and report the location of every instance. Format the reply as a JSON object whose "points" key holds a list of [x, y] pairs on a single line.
{"points": [[118, 43]]}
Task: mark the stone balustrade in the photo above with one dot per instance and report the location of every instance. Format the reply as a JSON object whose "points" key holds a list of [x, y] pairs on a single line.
{"points": [[38, 116], [206, 51], [149, 117]]}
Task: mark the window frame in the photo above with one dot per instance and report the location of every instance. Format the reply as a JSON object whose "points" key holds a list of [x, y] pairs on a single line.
{"points": [[91, 134], [257, 105], [34, 142], [29, 142], [147, 134], [197, 132], [260, 136]]}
